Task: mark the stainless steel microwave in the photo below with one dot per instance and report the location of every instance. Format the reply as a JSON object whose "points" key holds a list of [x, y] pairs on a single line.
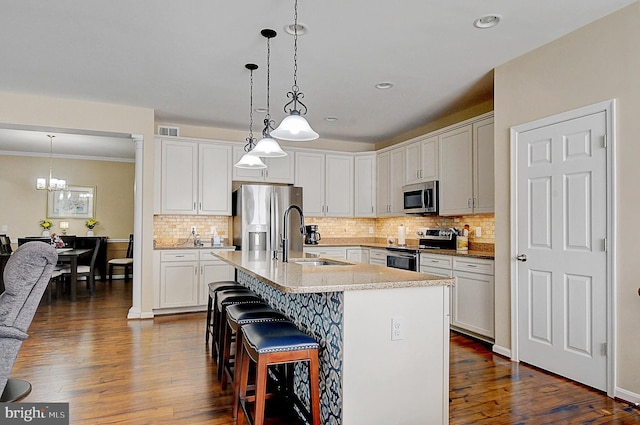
{"points": [[421, 198]]}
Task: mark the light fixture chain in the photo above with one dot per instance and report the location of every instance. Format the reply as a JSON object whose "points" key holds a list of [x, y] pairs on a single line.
{"points": [[295, 47], [250, 140]]}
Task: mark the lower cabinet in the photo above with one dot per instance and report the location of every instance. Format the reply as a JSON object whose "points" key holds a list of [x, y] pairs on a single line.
{"points": [[358, 254], [472, 297], [378, 257], [184, 278]]}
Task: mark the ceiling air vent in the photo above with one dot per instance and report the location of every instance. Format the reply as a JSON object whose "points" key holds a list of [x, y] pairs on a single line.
{"points": [[164, 130]]}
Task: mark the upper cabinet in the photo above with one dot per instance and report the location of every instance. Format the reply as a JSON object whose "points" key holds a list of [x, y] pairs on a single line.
{"points": [[390, 179], [466, 169], [327, 182], [421, 160], [195, 178], [279, 170], [365, 185]]}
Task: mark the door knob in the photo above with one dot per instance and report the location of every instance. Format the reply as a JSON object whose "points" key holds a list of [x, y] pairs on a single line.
{"points": [[522, 257]]}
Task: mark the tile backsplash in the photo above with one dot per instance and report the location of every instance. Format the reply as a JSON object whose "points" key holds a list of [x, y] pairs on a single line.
{"points": [[171, 229]]}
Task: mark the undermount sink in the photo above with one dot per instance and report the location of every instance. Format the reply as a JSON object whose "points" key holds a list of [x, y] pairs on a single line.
{"points": [[321, 262]]}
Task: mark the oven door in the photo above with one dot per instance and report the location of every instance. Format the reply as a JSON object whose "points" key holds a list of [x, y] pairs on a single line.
{"points": [[403, 261]]}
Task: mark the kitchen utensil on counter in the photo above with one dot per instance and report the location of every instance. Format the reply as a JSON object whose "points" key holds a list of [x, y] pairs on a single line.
{"points": [[312, 236]]}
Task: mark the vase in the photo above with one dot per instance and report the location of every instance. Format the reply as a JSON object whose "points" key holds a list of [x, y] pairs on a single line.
{"points": [[46, 233], [89, 232]]}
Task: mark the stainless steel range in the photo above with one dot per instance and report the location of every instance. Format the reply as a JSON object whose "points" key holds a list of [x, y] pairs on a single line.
{"points": [[437, 239]]}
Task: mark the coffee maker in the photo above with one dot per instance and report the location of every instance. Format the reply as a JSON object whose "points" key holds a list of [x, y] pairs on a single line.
{"points": [[312, 235]]}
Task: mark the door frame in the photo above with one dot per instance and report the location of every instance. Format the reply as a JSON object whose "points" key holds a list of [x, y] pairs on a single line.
{"points": [[608, 107]]}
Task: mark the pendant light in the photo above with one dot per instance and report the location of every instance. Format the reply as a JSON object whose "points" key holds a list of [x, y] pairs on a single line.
{"points": [[249, 159], [267, 147], [51, 184], [295, 127]]}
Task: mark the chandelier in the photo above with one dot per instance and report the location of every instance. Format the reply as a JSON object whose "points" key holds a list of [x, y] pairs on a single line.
{"points": [[51, 184]]}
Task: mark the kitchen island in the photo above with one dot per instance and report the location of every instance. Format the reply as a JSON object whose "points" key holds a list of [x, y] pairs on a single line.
{"points": [[371, 371]]}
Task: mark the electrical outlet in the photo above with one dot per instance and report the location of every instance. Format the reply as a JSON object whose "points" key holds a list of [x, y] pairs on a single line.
{"points": [[478, 232], [371, 230], [193, 230], [5, 228], [213, 230], [397, 328]]}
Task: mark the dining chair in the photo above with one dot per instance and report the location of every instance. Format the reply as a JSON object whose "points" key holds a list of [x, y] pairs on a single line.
{"points": [[126, 263], [5, 244], [86, 270], [69, 240]]}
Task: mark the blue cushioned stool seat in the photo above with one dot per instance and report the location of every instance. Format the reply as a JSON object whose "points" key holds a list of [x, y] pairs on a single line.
{"points": [[225, 298], [214, 287], [276, 343], [276, 337], [237, 316]]}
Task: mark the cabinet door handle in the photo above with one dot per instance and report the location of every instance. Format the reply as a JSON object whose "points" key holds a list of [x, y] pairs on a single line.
{"points": [[194, 206], [469, 202], [522, 257], [371, 208], [201, 206]]}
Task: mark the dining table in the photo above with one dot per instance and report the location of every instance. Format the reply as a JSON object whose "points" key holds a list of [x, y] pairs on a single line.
{"points": [[71, 256]]}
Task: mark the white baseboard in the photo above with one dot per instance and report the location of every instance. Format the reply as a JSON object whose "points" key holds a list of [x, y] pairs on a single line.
{"points": [[627, 396], [501, 350], [136, 314]]}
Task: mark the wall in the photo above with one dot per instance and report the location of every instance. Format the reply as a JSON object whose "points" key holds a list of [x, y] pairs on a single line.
{"points": [[592, 64], [114, 195]]}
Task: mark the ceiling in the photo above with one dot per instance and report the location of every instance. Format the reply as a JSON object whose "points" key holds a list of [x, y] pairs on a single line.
{"points": [[185, 60]]}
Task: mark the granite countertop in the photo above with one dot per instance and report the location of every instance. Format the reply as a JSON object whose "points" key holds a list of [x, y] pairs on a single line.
{"points": [[296, 278], [373, 243]]}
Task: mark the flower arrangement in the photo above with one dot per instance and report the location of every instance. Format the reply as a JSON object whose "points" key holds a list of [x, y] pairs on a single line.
{"points": [[56, 241], [91, 223], [46, 224]]}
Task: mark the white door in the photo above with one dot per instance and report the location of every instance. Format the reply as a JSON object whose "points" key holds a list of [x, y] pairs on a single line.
{"points": [[561, 229]]}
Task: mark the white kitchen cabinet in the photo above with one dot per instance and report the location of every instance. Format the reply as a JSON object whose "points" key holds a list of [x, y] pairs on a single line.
{"points": [[338, 252], [421, 160], [472, 296], [365, 185], [439, 265], [390, 179], [178, 279], [378, 257], [184, 278], [279, 170], [327, 180], [211, 269], [195, 178], [358, 254], [466, 169]]}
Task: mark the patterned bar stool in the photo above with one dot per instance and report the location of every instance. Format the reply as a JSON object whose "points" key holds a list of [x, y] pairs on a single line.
{"points": [[239, 315], [274, 343], [225, 298], [213, 288]]}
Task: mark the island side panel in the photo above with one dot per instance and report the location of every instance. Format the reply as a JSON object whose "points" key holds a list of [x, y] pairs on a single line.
{"points": [[321, 316], [389, 381]]}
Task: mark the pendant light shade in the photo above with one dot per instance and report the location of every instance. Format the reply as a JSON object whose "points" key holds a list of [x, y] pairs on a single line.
{"points": [[295, 127], [249, 160], [268, 148]]}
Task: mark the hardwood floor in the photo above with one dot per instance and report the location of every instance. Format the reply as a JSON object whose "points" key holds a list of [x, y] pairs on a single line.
{"points": [[115, 371]]}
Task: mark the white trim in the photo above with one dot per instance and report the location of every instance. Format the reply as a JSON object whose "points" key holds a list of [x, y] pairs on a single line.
{"points": [[503, 351], [65, 156], [608, 107], [628, 396], [136, 300]]}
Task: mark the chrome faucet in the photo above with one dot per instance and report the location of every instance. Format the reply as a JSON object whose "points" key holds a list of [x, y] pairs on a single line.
{"points": [[285, 240]]}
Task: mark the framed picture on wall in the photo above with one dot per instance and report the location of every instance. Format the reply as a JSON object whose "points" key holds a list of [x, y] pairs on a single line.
{"points": [[74, 202]]}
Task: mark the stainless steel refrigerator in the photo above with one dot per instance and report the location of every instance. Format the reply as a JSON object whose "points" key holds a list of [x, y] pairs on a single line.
{"points": [[258, 214]]}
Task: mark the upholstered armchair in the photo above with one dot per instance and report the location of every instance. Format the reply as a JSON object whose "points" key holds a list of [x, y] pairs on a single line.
{"points": [[26, 276]]}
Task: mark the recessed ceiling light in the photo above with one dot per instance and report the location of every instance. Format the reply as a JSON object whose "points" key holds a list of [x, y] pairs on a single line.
{"points": [[331, 119], [291, 29], [487, 21], [384, 85]]}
